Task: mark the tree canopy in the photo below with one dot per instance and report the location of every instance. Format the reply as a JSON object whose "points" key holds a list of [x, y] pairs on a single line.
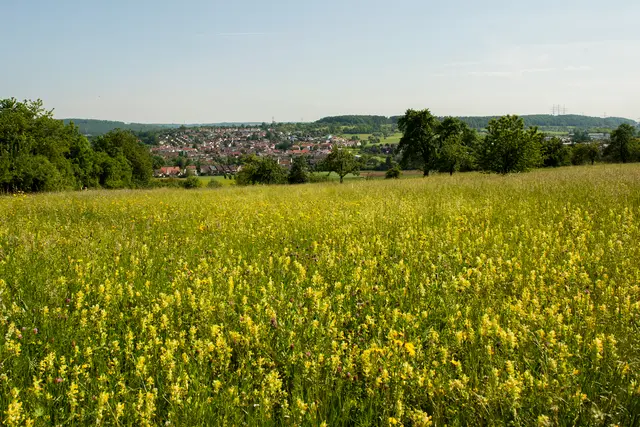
{"points": [[342, 162], [482, 122], [622, 145], [299, 173], [510, 147], [40, 153], [261, 170], [420, 138]]}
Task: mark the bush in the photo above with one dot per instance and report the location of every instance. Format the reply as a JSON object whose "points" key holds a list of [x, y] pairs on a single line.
{"points": [[192, 182], [214, 184], [393, 173]]}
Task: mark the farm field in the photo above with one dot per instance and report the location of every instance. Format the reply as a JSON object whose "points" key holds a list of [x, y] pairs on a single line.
{"points": [[467, 300], [392, 139], [221, 179]]}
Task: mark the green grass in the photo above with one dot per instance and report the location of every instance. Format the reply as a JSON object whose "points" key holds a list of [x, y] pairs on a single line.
{"points": [[220, 179], [468, 300], [392, 139]]}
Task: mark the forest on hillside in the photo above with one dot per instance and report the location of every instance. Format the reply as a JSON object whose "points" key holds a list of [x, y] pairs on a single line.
{"points": [[367, 124], [92, 127]]}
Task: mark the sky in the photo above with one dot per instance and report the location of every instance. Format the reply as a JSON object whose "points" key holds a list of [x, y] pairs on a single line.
{"points": [[197, 61]]}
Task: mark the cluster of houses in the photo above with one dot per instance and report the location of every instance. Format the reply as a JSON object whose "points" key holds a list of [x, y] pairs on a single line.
{"points": [[205, 170], [217, 151], [567, 140]]}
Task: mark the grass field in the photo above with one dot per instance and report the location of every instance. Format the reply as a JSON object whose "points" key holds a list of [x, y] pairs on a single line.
{"points": [[392, 139], [466, 300], [220, 179]]}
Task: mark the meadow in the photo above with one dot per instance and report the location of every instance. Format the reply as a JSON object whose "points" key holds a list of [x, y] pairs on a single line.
{"points": [[391, 139], [466, 300]]}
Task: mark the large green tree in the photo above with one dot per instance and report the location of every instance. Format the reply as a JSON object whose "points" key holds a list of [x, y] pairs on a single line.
{"points": [[585, 152], [124, 144], [554, 153], [509, 147], [621, 146], [261, 170], [455, 146], [580, 135], [37, 152], [299, 173], [342, 162], [40, 153], [419, 141]]}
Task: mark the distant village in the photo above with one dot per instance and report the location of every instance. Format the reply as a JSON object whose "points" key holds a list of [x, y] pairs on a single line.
{"points": [[217, 151], [211, 151]]}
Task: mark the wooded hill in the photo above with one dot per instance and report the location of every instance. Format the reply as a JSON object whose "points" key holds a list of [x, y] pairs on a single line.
{"points": [[92, 127], [481, 122]]}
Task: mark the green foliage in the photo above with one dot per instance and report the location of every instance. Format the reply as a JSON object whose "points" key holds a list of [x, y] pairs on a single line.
{"points": [[299, 173], [509, 147], [585, 152], [213, 183], [113, 172], [548, 120], [622, 144], [374, 121], [471, 301], [342, 162], [369, 124], [419, 141], [580, 135], [455, 146], [393, 173], [192, 182], [123, 144], [181, 161], [284, 145], [555, 153], [101, 127], [157, 162], [147, 137], [261, 170], [39, 153]]}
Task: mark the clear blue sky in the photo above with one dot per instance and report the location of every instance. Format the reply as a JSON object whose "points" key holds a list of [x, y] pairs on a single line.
{"points": [[251, 60]]}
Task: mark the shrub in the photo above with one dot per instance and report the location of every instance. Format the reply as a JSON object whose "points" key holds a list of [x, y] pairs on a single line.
{"points": [[192, 182], [393, 173], [214, 184]]}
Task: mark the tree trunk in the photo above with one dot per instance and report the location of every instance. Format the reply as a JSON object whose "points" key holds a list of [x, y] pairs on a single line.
{"points": [[451, 172], [341, 177], [425, 173]]}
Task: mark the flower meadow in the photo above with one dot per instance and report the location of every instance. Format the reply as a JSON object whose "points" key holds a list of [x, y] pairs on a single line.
{"points": [[465, 300]]}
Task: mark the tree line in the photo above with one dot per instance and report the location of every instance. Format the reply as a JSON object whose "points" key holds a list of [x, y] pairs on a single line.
{"points": [[369, 124], [448, 145], [40, 153]]}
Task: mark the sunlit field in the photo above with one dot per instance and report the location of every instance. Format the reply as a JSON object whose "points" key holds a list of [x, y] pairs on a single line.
{"points": [[466, 300]]}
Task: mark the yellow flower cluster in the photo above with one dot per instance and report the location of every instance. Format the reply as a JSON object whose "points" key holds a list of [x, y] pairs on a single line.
{"points": [[465, 300]]}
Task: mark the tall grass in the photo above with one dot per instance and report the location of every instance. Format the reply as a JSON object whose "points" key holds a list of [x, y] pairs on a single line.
{"points": [[465, 300]]}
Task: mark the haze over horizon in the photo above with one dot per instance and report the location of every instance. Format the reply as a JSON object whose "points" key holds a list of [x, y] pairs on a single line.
{"points": [[244, 61]]}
